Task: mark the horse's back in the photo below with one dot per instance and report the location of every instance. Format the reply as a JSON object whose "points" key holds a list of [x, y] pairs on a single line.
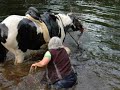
{"points": [[12, 20]]}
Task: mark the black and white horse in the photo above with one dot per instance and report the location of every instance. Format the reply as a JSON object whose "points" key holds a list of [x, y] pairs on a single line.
{"points": [[21, 33]]}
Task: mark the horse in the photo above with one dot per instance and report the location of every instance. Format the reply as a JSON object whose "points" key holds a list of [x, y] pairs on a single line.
{"points": [[21, 33]]}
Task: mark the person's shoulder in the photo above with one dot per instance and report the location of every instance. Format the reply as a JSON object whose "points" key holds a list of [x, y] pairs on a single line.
{"points": [[67, 50], [48, 54]]}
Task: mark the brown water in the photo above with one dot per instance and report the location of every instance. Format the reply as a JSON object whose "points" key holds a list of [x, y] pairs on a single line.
{"points": [[97, 64]]}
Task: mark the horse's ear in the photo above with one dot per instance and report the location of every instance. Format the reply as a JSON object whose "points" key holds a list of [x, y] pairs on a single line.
{"points": [[69, 14]]}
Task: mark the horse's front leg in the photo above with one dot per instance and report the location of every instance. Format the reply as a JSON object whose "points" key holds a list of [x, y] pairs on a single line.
{"points": [[19, 57]]}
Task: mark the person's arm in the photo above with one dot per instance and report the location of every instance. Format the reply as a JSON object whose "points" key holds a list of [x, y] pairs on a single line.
{"points": [[46, 59]]}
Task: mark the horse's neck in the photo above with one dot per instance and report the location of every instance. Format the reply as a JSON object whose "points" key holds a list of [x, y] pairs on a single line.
{"points": [[66, 20]]}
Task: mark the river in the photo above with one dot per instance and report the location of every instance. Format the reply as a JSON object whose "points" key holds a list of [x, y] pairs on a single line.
{"points": [[98, 60]]}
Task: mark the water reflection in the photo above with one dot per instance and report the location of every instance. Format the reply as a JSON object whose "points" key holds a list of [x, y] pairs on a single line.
{"points": [[15, 72]]}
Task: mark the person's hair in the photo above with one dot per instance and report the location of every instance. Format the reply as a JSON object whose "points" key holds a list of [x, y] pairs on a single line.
{"points": [[55, 43]]}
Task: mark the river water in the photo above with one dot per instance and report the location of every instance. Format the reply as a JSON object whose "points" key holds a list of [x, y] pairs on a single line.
{"points": [[98, 63]]}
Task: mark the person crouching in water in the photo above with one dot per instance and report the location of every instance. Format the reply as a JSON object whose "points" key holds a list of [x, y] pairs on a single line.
{"points": [[59, 73]]}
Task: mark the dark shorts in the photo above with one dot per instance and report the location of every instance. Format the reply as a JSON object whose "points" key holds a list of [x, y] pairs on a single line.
{"points": [[68, 82]]}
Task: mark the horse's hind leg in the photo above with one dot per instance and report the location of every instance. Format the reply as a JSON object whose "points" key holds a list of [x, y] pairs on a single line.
{"points": [[19, 57], [3, 52]]}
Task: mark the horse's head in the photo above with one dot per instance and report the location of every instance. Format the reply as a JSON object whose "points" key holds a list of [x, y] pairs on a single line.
{"points": [[76, 24], [71, 21]]}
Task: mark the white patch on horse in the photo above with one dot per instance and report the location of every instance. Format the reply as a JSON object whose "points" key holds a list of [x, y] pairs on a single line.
{"points": [[63, 22], [66, 20]]}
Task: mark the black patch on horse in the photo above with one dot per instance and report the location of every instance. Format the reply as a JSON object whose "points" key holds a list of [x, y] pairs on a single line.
{"points": [[51, 23], [27, 36]]}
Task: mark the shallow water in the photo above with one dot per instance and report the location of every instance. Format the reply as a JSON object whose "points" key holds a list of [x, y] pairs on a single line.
{"points": [[98, 61]]}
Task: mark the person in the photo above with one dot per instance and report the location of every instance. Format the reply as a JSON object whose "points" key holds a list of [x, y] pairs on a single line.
{"points": [[59, 72]]}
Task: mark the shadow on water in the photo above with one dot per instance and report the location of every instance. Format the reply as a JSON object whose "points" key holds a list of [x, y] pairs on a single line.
{"points": [[13, 76], [98, 65], [12, 73]]}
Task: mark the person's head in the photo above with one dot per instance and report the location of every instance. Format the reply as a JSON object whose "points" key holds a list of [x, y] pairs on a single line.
{"points": [[55, 43]]}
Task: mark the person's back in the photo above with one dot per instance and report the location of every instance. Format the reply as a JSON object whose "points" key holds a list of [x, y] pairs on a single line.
{"points": [[59, 65]]}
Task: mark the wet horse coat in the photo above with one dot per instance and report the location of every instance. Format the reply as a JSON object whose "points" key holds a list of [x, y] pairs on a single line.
{"points": [[18, 33]]}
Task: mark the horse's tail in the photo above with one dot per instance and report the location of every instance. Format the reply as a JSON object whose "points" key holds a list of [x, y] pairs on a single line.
{"points": [[3, 36]]}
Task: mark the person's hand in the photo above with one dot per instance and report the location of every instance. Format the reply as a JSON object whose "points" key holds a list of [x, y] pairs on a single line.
{"points": [[34, 65], [33, 68]]}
